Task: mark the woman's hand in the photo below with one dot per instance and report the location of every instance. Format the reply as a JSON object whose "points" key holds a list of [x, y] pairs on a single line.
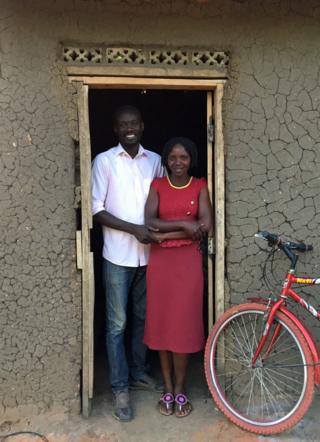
{"points": [[194, 230], [159, 237]]}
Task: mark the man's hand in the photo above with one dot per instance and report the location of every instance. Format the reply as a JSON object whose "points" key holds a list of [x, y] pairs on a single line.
{"points": [[144, 234]]}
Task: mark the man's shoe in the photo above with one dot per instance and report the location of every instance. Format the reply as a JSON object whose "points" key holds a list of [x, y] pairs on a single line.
{"points": [[145, 383], [159, 387], [122, 410]]}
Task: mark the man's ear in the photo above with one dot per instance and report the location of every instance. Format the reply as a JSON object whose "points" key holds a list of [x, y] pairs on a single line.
{"points": [[142, 125]]}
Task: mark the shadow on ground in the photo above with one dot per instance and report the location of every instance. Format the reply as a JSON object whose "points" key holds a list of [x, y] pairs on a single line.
{"points": [[205, 424]]}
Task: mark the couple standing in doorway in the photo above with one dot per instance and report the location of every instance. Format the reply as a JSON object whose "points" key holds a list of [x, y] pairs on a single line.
{"points": [[153, 212]]}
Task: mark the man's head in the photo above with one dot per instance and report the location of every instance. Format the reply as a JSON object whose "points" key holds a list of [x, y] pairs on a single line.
{"points": [[128, 126]]}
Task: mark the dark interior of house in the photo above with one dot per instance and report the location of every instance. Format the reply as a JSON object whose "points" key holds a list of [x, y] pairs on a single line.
{"points": [[166, 113]]}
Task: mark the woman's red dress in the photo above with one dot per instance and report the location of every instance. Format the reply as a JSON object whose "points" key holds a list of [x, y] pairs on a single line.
{"points": [[174, 316]]}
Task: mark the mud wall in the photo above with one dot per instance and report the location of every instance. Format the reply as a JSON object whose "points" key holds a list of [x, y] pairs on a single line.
{"points": [[271, 126]]}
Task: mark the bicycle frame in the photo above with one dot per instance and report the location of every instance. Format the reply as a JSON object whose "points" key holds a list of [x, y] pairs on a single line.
{"points": [[288, 292]]}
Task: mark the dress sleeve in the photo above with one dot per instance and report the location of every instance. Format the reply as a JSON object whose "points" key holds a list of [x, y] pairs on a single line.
{"points": [[202, 183], [155, 184]]}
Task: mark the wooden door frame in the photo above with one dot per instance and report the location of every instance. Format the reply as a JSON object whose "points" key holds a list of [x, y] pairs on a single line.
{"points": [[214, 87], [84, 254]]}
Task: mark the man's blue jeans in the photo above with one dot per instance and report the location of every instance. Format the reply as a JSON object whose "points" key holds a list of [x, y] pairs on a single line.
{"points": [[121, 284]]}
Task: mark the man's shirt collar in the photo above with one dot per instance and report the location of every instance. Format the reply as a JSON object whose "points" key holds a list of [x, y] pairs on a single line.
{"points": [[121, 151]]}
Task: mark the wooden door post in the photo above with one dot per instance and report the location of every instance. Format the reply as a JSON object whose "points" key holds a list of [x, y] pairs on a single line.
{"points": [[219, 178], [86, 256]]}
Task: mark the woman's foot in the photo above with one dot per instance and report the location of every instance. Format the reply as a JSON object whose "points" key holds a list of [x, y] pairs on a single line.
{"points": [[166, 404], [183, 406]]}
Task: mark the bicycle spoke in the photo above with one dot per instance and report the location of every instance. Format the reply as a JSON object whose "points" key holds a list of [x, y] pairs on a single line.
{"points": [[269, 391], [235, 335], [232, 373], [233, 350], [282, 392], [254, 344], [286, 372], [289, 358], [251, 393], [242, 392], [247, 340], [264, 402], [287, 378], [233, 383], [273, 401], [277, 352]]}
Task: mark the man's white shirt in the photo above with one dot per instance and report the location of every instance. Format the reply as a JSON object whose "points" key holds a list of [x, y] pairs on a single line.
{"points": [[120, 185]]}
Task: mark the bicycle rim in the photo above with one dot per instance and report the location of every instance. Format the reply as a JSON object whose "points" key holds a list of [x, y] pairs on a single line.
{"points": [[274, 394]]}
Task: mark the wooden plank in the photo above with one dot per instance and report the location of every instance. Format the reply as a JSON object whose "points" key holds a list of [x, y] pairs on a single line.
{"points": [[85, 156], [79, 249], [86, 223], [219, 203], [86, 328], [145, 71], [91, 329], [210, 185], [145, 82]]}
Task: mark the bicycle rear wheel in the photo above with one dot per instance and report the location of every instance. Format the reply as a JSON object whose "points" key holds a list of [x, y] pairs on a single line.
{"points": [[275, 394]]}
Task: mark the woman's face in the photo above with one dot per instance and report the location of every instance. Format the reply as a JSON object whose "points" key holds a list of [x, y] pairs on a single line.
{"points": [[179, 161]]}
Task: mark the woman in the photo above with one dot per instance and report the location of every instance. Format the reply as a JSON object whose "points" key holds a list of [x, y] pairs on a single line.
{"points": [[178, 206]]}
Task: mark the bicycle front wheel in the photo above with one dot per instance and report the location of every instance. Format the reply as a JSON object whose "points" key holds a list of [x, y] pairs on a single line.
{"points": [[275, 393]]}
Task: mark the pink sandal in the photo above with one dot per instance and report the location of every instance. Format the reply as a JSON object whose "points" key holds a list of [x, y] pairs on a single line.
{"points": [[182, 403], [166, 404]]}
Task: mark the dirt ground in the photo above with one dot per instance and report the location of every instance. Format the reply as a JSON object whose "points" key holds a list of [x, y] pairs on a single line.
{"points": [[205, 424]]}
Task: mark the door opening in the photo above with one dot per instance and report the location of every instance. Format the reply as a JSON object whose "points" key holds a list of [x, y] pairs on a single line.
{"points": [[166, 113]]}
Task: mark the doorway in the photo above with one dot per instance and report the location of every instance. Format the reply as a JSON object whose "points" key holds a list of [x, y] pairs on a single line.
{"points": [[215, 172], [166, 113]]}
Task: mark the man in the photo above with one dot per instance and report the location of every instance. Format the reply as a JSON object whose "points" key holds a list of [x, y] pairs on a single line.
{"points": [[121, 178]]}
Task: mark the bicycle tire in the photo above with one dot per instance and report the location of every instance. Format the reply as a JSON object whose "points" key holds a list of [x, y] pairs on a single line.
{"points": [[270, 390]]}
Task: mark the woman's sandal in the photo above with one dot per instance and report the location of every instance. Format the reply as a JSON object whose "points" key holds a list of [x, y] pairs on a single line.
{"points": [[182, 404], [166, 404]]}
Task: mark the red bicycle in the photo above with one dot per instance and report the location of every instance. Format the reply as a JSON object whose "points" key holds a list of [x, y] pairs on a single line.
{"points": [[261, 362]]}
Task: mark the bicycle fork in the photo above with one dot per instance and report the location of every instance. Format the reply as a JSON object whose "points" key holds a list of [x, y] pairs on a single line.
{"points": [[266, 333]]}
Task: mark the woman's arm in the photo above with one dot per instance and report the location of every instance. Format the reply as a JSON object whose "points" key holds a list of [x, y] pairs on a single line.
{"points": [[177, 229], [170, 235], [151, 215], [205, 210]]}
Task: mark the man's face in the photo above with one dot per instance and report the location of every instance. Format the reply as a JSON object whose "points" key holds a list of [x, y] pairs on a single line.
{"points": [[129, 128]]}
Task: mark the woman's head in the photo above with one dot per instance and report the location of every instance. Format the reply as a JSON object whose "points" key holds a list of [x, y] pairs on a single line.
{"points": [[186, 145]]}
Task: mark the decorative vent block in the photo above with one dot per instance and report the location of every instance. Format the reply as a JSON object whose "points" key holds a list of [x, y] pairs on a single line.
{"points": [[82, 55], [144, 57]]}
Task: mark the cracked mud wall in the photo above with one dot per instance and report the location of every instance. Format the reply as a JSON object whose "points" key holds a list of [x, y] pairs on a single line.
{"points": [[40, 292], [271, 128], [273, 159]]}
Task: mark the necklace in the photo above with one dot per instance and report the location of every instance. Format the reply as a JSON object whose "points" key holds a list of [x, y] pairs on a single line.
{"points": [[179, 187]]}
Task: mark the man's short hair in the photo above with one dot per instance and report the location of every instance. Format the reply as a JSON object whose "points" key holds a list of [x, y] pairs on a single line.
{"points": [[126, 108]]}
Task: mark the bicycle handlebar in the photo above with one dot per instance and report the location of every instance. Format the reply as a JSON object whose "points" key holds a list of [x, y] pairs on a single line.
{"points": [[274, 239]]}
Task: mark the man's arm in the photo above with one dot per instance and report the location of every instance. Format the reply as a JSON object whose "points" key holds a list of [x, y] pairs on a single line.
{"points": [[141, 232], [100, 185]]}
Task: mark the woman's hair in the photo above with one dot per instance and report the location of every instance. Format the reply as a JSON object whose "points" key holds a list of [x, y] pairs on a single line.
{"points": [[189, 145]]}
